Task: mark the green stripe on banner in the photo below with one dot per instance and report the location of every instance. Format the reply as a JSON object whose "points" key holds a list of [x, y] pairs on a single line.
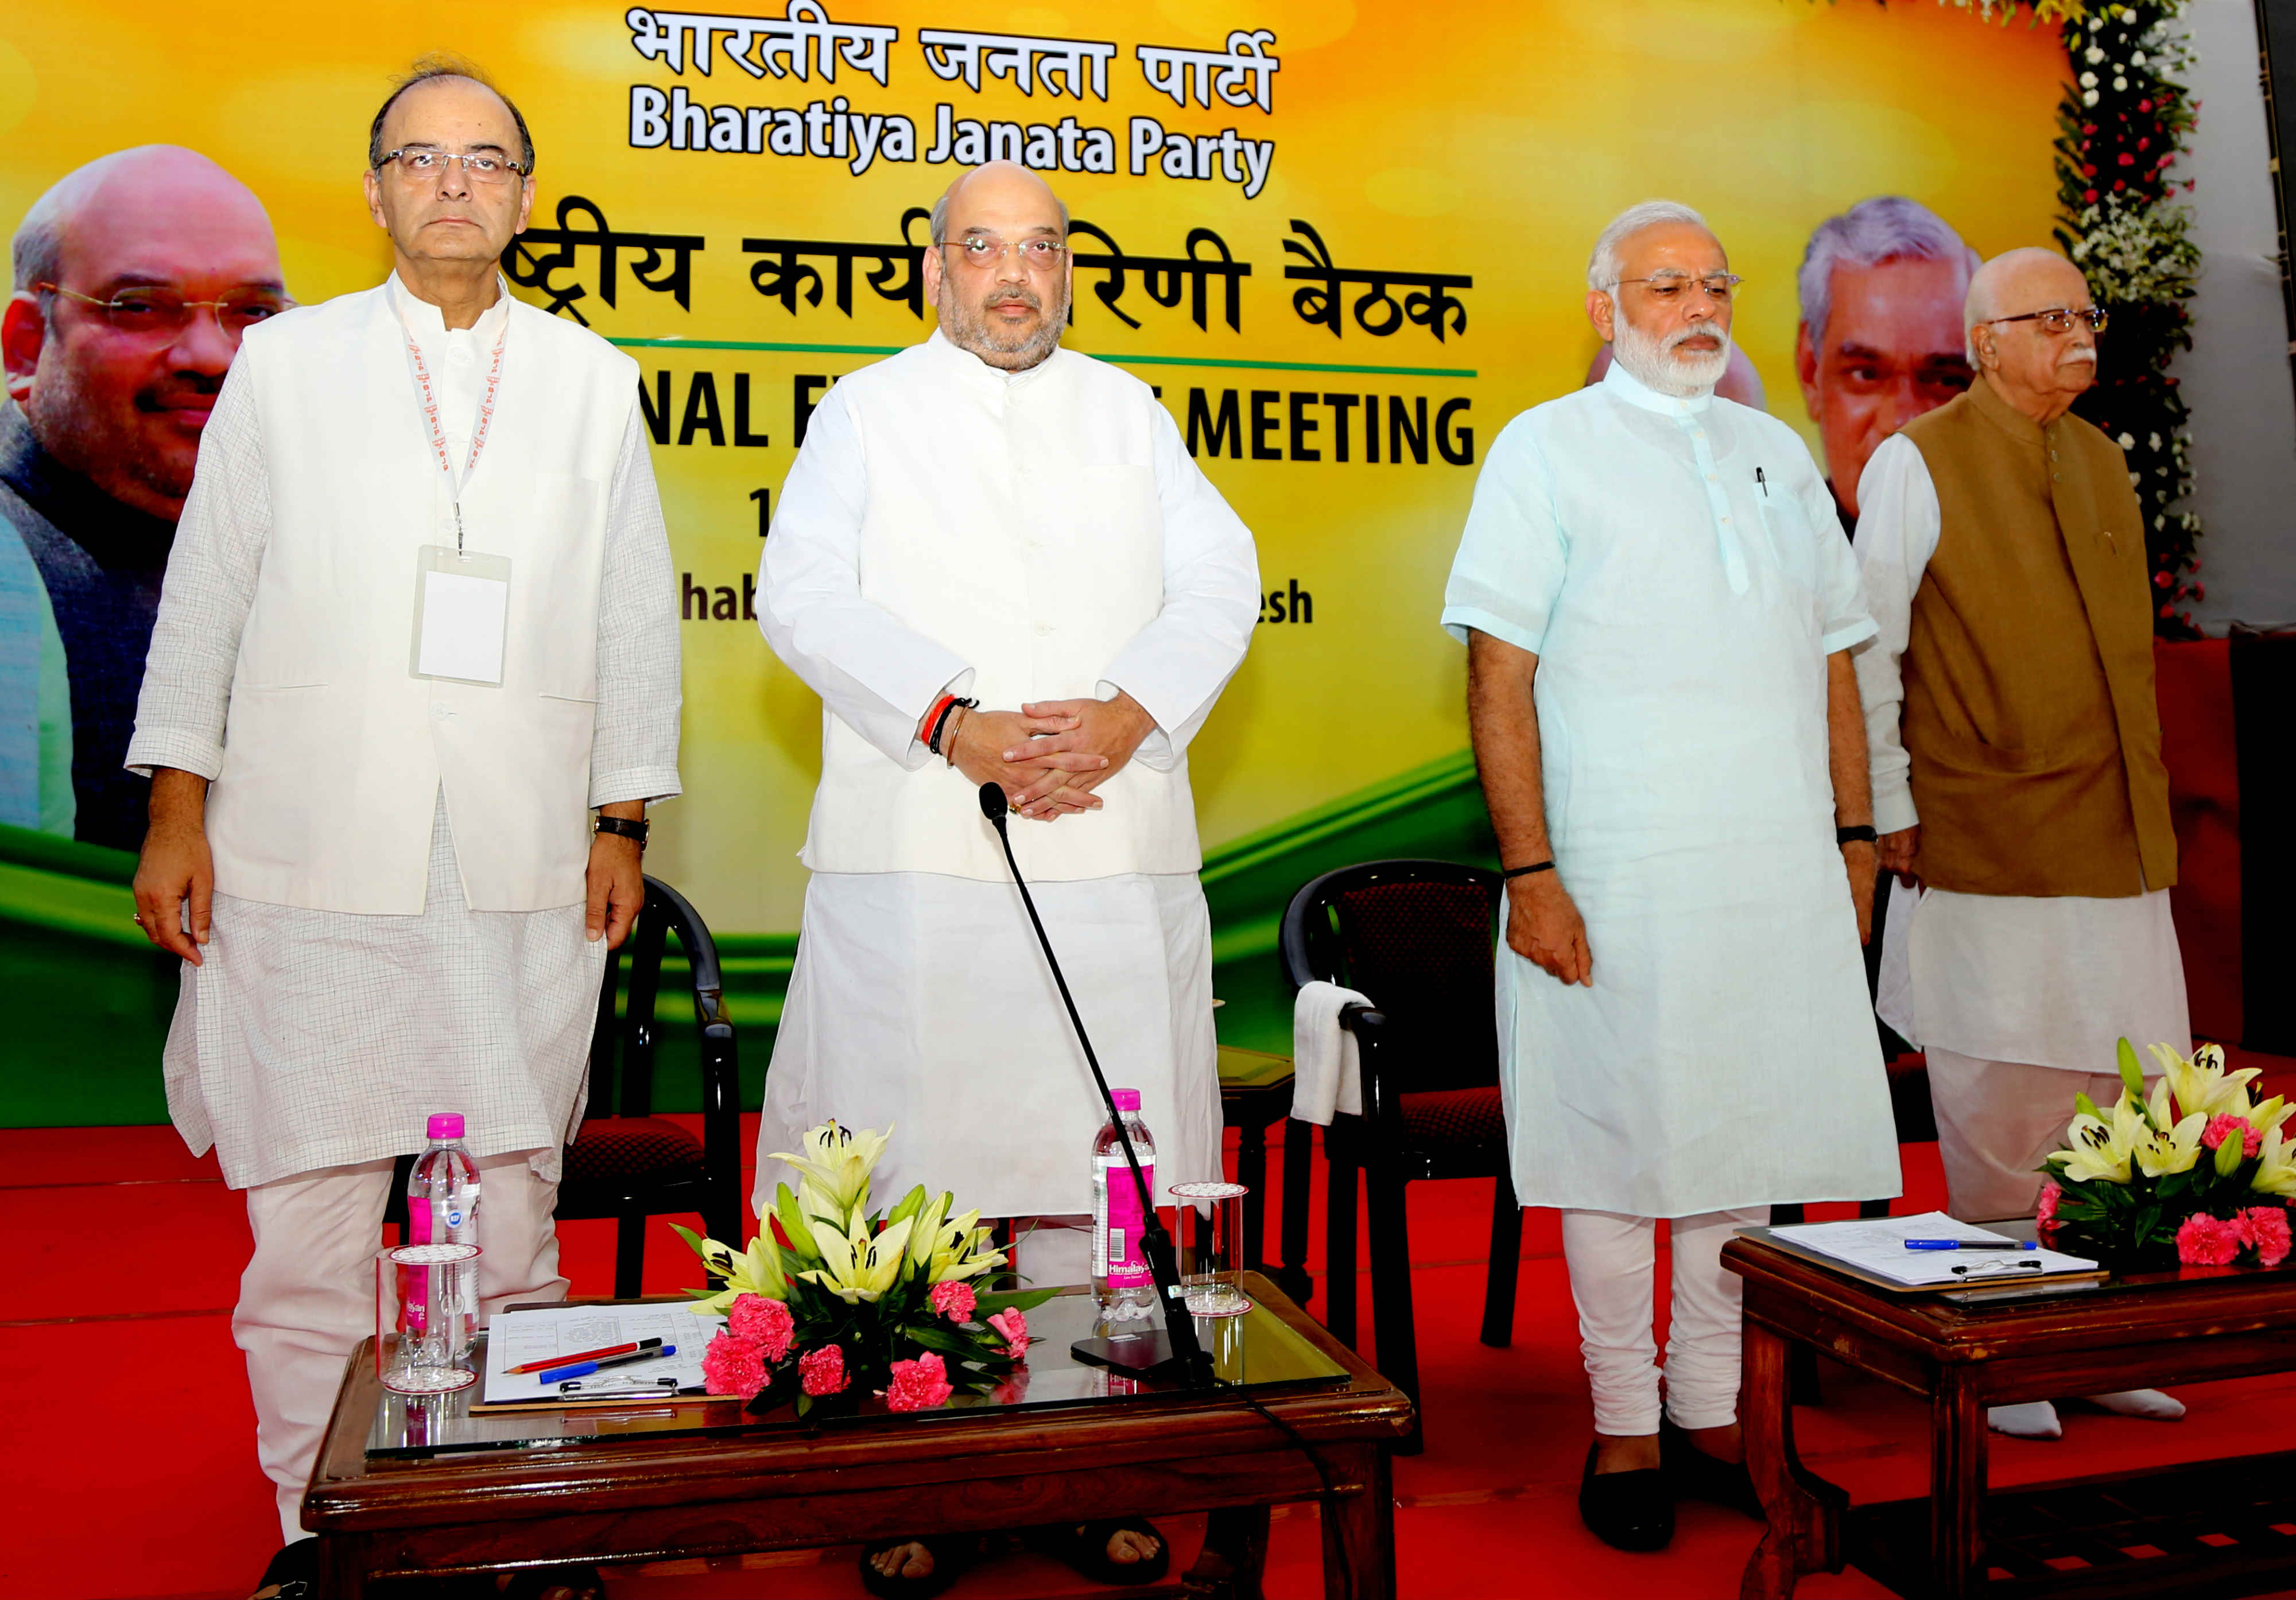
{"points": [[91, 1000], [895, 349]]}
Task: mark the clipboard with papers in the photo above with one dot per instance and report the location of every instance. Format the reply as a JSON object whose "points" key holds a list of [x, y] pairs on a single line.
{"points": [[1874, 1250], [532, 1334]]}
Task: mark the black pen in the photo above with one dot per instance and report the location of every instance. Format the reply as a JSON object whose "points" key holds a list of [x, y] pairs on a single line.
{"points": [[1761, 485]]}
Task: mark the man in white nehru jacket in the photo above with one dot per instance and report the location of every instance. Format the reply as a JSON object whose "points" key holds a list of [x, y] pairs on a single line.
{"points": [[996, 563], [1659, 607], [418, 624]]}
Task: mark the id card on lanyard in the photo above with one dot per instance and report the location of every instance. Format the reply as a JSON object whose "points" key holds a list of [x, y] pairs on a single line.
{"points": [[461, 596]]}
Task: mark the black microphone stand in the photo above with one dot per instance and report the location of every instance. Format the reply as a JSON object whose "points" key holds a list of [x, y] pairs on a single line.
{"points": [[1173, 1354]]}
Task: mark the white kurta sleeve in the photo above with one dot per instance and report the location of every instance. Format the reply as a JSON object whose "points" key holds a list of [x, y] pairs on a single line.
{"points": [[1847, 620], [634, 750], [869, 668], [1176, 666], [1509, 569], [205, 598], [1897, 526]]}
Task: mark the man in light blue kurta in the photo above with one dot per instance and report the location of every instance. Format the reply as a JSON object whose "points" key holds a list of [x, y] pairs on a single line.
{"points": [[1683, 1015]]}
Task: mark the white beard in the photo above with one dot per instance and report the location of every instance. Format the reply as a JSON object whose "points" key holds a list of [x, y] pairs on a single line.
{"points": [[1651, 358]]}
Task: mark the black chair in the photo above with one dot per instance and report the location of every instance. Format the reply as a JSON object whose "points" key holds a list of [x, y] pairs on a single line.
{"points": [[1416, 937], [624, 1162]]}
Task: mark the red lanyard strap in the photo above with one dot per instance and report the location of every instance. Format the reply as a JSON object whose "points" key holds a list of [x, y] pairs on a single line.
{"points": [[430, 405]]}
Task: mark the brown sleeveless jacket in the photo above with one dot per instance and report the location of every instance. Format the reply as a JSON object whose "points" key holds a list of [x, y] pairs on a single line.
{"points": [[2030, 716]]}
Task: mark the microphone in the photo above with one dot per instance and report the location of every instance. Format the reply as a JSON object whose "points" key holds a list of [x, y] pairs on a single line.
{"points": [[1173, 1353]]}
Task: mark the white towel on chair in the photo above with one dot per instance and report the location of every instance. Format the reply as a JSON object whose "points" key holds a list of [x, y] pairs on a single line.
{"points": [[1327, 1071]]}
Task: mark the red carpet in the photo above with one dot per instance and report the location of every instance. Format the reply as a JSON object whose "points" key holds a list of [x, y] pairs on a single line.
{"points": [[135, 1480]]}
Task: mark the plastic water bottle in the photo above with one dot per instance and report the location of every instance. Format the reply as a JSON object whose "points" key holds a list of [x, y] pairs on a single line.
{"points": [[1120, 1277], [442, 1207]]}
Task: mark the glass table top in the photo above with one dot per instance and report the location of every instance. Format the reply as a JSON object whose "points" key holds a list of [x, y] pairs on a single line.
{"points": [[1255, 1352]]}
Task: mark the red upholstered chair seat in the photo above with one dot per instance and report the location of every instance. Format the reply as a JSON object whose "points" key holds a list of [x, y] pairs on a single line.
{"points": [[1456, 1120], [616, 1149]]}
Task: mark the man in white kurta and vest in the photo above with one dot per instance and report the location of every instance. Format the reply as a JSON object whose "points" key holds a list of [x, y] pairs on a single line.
{"points": [[2016, 753], [996, 563], [371, 836], [1659, 607]]}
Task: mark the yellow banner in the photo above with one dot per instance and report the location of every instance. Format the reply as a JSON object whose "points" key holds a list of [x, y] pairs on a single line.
{"points": [[1347, 241]]}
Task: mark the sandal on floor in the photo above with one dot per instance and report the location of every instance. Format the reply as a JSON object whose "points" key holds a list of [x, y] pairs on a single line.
{"points": [[294, 1571], [1084, 1548], [1695, 1476], [531, 1583], [952, 1554]]}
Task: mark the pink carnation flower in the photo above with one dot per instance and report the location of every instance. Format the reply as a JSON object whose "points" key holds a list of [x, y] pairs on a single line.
{"points": [[2223, 1125], [2268, 1231], [821, 1370], [2206, 1240], [918, 1386], [764, 1322], [2047, 1210], [1014, 1326], [954, 1300], [733, 1365]]}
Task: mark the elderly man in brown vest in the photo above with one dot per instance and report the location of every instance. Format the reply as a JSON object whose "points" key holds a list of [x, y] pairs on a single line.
{"points": [[2015, 750]]}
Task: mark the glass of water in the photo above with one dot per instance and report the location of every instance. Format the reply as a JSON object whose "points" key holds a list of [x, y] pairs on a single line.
{"points": [[1211, 1274]]}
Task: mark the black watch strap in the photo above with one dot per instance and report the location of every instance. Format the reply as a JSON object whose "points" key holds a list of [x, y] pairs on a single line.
{"points": [[624, 827], [1864, 831]]}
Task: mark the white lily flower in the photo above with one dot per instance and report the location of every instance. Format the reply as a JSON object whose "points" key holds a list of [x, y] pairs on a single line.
{"points": [[2176, 1150], [838, 1162], [2101, 1148], [757, 1270], [2202, 1084], [857, 1267], [2276, 1172]]}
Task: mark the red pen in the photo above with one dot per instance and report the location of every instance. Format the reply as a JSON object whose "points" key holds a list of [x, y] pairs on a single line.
{"points": [[597, 1355]]}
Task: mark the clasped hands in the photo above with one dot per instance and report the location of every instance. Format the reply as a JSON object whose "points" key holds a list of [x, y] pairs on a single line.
{"points": [[1050, 755]]}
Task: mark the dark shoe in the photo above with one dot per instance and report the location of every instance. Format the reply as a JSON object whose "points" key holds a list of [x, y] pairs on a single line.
{"points": [[951, 1553], [293, 1573], [1697, 1476], [1626, 1510], [1084, 1548]]}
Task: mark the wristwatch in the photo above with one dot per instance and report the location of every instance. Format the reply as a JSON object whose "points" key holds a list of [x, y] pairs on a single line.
{"points": [[1862, 831], [622, 827]]}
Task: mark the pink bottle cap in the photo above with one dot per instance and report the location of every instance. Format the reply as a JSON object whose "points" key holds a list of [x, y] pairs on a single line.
{"points": [[448, 1125], [1127, 1100]]}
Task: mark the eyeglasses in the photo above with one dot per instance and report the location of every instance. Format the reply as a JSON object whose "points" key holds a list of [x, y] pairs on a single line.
{"points": [[987, 249], [1668, 287], [478, 166], [156, 311], [2058, 319]]}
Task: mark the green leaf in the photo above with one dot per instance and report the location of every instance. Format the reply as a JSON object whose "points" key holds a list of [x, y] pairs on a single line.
{"points": [[1018, 1299], [944, 1339], [694, 1242]]}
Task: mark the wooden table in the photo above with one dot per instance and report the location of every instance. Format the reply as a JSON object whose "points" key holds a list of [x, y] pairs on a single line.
{"points": [[1255, 1094], [2220, 1528], [627, 1496]]}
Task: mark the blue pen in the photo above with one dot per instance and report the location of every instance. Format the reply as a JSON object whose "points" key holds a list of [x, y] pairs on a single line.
{"points": [[1968, 1244], [583, 1369]]}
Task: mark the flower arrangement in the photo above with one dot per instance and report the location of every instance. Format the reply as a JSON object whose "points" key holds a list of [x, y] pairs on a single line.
{"points": [[831, 1301], [2198, 1170]]}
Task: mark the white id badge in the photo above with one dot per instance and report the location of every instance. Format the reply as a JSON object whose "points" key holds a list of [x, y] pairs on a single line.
{"points": [[462, 611]]}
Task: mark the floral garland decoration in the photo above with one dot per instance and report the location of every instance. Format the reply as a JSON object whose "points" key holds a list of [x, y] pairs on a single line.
{"points": [[2124, 119]]}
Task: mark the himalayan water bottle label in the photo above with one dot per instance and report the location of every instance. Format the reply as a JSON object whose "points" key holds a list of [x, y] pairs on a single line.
{"points": [[1124, 1266]]}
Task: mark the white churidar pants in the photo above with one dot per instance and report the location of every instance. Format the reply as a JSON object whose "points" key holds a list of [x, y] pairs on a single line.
{"points": [[307, 1296], [1613, 1261], [1997, 1121]]}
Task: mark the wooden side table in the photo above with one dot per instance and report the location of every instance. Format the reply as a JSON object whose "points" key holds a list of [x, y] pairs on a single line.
{"points": [[1255, 1094], [2224, 1528]]}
